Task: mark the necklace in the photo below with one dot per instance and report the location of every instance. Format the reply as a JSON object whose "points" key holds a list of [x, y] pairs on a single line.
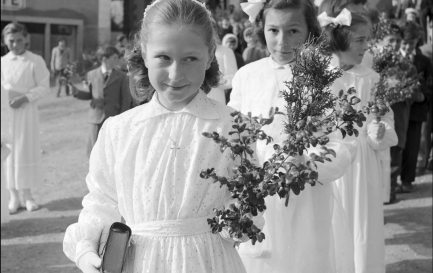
{"points": [[175, 147]]}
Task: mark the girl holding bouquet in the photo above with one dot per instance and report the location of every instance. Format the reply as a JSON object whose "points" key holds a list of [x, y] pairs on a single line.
{"points": [[146, 163], [298, 237], [360, 243]]}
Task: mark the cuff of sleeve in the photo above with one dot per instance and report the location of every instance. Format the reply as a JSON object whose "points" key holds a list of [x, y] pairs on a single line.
{"points": [[30, 97], [84, 247]]}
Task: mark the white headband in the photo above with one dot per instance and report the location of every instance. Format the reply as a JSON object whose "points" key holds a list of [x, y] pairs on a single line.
{"points": [[343, 19]]}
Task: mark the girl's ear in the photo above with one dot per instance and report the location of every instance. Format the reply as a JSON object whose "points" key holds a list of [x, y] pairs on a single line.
{"points": [[211, 57], [143, 55]]}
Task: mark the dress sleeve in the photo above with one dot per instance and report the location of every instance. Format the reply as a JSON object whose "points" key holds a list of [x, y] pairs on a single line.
{"points": [[100, 208], [41, 76], [345, 150]]}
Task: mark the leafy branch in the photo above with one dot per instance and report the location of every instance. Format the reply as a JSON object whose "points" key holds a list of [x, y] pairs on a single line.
{"points": [[312, 113]]}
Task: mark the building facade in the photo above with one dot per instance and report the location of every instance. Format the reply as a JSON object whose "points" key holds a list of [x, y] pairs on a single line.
{"points": [[82, 23]]}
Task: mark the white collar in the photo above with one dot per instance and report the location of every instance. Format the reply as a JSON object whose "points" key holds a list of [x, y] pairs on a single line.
{"points": [[104, 70], [12, 56], [276, 65], [200, 106]]}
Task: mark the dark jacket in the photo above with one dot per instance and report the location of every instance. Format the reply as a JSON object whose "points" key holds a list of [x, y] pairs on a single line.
{"points": [[419, 110], [115, 93]]}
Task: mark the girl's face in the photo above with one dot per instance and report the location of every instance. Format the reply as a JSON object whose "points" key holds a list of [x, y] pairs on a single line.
{"points": [[230, 43], [16, 42], [111, 61], [285, 30], [408, 46], [358, 45], [177, 58], [393, 41]]}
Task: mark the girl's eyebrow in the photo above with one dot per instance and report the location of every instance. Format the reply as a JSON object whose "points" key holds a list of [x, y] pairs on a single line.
{"points": [[294, 24]]}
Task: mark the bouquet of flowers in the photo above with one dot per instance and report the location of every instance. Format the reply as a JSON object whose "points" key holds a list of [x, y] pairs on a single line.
{"points": [[67, 73], [398, 76], [312, 113]]}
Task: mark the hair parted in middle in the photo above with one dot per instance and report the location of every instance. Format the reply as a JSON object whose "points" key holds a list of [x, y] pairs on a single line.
{"points": [[306, 6], [170, 12]]}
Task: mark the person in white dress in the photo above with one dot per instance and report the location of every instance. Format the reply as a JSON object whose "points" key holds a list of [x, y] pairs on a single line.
{"points": [[6, 128], [298, 237], [25, 77], [145, 166], [360, 243], [227, 63]]}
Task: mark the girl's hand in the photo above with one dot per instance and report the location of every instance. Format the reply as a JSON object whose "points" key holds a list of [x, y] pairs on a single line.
{"points": [[17, 102], [376, 129], [14, 94], [89, 263]]}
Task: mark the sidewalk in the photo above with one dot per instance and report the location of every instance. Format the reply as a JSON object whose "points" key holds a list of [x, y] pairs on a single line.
{"points": [[32, 242]]}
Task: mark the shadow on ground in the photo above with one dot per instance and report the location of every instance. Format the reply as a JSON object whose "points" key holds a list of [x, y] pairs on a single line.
{"points": [[35, 226], [417, 222], [64, 204], [409, 266], [39, 261]]}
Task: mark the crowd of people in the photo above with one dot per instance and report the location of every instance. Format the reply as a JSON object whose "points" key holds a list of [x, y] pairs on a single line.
{"points": [[188, 68]]}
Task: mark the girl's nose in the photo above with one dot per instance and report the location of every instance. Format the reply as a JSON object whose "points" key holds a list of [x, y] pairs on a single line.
{"points": [[175, 71]]}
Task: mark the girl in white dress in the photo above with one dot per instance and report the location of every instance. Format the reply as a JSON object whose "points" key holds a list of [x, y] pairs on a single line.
{"points": [[25, 77], [227, 63], [146, 163], [298, 237], [6, 118], [360, 243]]}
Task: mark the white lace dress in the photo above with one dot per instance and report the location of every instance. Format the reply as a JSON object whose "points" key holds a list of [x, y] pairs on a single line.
{"points": [[145, 167]]}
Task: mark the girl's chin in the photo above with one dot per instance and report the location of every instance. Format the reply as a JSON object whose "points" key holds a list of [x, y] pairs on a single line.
{"points": [[284, 60]]}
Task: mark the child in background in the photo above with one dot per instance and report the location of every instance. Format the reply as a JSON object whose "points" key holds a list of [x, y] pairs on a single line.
{"points": [[109, 91], [231, 41], [146, 163], [253, 51], [298, 237], [25, 77], [401, 118], [419, 107], [6, 128], [360, 242], [227, 63]]}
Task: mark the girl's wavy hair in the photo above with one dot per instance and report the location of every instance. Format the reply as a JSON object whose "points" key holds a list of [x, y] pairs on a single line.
{"points": [[308, 9], [170, 12]]}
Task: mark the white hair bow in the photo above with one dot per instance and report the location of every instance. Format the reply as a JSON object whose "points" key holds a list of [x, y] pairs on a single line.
{"points": [[343, 19], [252, 8]]}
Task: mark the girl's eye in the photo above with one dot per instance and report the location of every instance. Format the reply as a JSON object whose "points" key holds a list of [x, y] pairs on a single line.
{"points": [[163, 57], [293, 31], [273, 30], [191, 59]]}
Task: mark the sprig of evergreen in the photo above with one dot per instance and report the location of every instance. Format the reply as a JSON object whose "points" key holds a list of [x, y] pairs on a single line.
{"points": [[312, 113]]}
